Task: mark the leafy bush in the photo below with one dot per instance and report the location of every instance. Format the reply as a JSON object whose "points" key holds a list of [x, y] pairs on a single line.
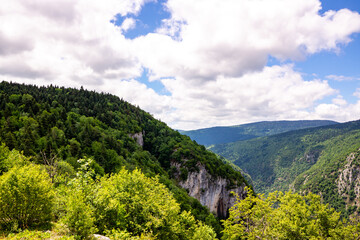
{"points": [[286, 216], [130, 205], [75, 206], [9, 159], [26, 198], [36, 235], [130, 201], [79, 216]]}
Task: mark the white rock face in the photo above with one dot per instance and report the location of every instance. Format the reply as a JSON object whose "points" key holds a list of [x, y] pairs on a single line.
{"points": [[100, 237], [211, 192], [349, 179], [138, 137]]}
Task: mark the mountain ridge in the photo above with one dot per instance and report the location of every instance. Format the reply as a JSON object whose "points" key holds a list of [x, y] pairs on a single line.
{"points": [[226, 134], [302, 160]]}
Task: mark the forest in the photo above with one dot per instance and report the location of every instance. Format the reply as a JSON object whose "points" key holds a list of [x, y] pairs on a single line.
{"points": [[72, 165], [307, 160]]}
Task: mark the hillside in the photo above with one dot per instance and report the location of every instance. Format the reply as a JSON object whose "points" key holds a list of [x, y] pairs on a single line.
{"points": [[219, 135], [322, 160], [55, 127]]}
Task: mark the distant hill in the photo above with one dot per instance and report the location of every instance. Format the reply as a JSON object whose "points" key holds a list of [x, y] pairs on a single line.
{"points": [[322, 160], [218, 135]]}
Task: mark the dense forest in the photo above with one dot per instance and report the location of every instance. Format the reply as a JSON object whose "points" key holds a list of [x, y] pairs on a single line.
{"points": [[55, 127], [219, 135], [76, 163], [303, 160]]}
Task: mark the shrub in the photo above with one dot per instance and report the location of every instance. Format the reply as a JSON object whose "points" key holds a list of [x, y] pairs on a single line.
{"points": [[79, 217], [26, 198]]}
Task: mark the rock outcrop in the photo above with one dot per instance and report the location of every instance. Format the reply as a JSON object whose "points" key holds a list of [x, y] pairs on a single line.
{"points": [[138, 137], [348, 181], [211, 192]]}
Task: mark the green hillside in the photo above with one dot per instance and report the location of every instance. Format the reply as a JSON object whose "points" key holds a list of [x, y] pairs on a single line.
{"points": [[219, 135], [54, 127], [74, 163], [303, 160]]}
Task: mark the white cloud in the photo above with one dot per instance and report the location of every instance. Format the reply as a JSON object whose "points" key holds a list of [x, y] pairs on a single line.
{"points": [[127, 24], [231, 37], [210, 55], [337, 112], [276, 92], [341, 78], [357, 93], [339, 101], [64, 39]]}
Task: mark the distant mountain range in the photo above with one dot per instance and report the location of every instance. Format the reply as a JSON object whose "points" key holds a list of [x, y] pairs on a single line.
{"points": [[323, 160], [218, 135]]}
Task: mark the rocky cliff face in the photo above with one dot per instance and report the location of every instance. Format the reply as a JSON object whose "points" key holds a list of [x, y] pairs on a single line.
{"points": [[138, 137], [211, 192], [348, 182]]}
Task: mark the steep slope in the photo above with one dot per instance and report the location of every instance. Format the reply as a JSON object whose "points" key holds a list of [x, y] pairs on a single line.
{"points": [[321, 160], [68, 124], [218, 135]]}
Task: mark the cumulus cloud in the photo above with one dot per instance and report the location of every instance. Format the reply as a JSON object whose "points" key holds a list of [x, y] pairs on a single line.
{"points": [[67, 38], [337, 112], [128, 23], [275, 92], [231, 37], [210, 55]]}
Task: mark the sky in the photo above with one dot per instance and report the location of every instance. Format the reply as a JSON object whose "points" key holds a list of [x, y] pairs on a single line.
{"points": [[193, 64]]}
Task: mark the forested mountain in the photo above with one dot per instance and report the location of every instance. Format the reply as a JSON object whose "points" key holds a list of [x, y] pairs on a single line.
{"points": [[218, 135], [323, 160], [77, 132], [74, 163]]}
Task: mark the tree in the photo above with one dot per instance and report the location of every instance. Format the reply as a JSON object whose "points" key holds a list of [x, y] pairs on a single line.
{"points": [[285, 216], [26, 198], [131, 203]]}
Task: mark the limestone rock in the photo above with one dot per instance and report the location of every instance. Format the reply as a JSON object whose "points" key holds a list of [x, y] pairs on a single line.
{"points": [[138, 137], [211, 192]]}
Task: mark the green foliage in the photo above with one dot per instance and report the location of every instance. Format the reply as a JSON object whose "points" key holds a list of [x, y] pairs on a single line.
{"points": [[285, 216], [69, 124], [72, 124], [137, 204], [36, 235], [79, 217], [75, 207], [29, 235], [306, 160], [126, 205], [10, 159], [26, 198]]}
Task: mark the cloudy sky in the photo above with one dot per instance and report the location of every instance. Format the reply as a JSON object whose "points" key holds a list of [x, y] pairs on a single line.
{"points": [[193, 64]]}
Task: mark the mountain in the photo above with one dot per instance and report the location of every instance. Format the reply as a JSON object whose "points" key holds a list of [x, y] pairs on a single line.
{"points": [[57, 126], [219, 135], [323, 160]]}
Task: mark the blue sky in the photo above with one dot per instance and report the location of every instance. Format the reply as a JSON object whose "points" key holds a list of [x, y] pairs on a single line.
{"points": [[193, 64]]}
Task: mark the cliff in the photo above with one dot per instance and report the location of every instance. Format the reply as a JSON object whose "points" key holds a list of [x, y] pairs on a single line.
{"points": [[348, 181], [212, 192], [138, 137]]}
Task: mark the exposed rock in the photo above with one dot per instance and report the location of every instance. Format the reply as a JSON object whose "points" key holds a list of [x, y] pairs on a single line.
{"points": [[138, 137], [100, 237], [348, 181], [311, 157], [211, 192]]}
